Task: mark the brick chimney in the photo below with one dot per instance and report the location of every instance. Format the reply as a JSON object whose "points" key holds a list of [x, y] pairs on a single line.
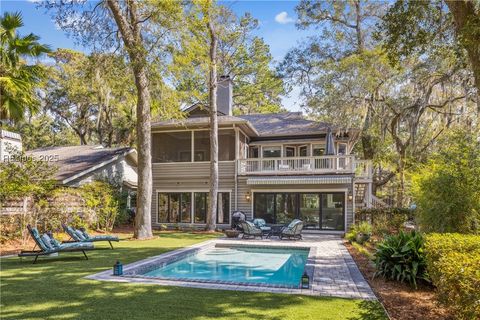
{"points": [[225, 95]]}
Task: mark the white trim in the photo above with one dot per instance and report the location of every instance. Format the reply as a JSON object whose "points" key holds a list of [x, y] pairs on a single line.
{"points": [[298, 180], [102, 164], [177, 162], [191, 129]]}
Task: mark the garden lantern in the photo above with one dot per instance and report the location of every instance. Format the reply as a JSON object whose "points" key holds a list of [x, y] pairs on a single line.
{"points": [[118, 269], [305, 281]]}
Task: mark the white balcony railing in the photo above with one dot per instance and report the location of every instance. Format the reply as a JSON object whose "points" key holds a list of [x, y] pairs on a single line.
{"points": [[363, 169], [306, 165]]}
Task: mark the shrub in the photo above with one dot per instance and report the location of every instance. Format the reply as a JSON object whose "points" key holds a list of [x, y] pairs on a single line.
{"points": [[401, 257], [453, 262], [385, 220], [105, 200], [446, 188], [361, 228]]}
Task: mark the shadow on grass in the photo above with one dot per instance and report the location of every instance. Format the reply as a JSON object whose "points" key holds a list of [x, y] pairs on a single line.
{"points": [[370, 310]]}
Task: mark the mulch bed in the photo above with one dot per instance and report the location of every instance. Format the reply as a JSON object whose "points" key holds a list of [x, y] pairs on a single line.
{"points": [[400, 300]]}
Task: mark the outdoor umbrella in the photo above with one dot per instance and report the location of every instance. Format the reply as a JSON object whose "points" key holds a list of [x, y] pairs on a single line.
{"points": [[329, 143]]}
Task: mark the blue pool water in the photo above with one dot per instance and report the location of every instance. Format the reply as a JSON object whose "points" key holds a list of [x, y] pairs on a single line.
{"points": [[252, 265]]}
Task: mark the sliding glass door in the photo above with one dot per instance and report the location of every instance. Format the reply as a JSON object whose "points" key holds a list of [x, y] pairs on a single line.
{"points": [[310, 210], [319, 211]]}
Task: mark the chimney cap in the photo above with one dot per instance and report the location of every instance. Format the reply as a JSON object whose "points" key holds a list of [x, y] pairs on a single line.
{"points": [[225, 77]]}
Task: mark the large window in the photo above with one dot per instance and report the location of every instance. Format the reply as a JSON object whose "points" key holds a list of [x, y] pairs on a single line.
{"points": [[272, 152], [309, 210], [286, 206], [172, 147], [201, 207], [332, 211], [174, 207], [202, 146], [264, 206], [226, 145], [325, 211], [318, 150], [223, 208]]}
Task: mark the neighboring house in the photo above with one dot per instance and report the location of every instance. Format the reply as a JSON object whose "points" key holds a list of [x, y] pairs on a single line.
{"points": [[271, 166], [10, 142], [77, 165]]}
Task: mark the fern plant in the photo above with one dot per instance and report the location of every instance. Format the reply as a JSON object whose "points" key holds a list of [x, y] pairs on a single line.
{"points": [[401, 257]]}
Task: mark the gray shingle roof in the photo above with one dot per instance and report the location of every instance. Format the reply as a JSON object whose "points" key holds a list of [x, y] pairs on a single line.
{"points": [[285, 124], [74, 160], [266, 125]]}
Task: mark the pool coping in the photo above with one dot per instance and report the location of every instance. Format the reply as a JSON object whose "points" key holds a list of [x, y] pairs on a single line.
{"points": [[358, 290]]}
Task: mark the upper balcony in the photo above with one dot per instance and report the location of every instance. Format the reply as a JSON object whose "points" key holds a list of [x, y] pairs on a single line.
{"points": [[338, 164]]}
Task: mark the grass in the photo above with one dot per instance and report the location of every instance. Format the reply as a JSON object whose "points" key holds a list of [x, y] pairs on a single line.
{"points": [[55, 288]]}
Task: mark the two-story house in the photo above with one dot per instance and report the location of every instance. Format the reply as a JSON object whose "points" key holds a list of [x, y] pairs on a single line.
{"points": [[272, 166]]}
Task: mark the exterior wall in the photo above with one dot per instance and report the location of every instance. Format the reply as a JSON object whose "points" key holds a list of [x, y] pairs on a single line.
{"points": [[188, 176], [246, 206]]}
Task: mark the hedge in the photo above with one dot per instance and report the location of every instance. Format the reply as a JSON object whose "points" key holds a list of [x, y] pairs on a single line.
{"points": [[453, 263]]}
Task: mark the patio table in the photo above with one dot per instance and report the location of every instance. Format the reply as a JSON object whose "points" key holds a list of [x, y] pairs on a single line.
{"points": [[276, 230]]}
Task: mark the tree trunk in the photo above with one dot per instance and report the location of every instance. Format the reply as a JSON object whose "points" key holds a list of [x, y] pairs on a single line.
{"points": [[212, 206], [401, 190], [466, 19], [129, 25]]}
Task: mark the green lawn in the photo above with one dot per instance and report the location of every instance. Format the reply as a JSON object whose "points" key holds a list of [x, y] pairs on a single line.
{"points": [[54, 288]]}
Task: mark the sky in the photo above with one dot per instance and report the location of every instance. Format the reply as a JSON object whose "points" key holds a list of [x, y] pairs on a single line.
{"points": [[276, 27]]}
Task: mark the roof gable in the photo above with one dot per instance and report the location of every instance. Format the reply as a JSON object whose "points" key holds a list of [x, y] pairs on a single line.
{"points": [[75, 161]]}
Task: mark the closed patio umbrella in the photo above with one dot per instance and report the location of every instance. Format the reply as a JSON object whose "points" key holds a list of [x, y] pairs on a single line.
{"points": [[329, 143]]}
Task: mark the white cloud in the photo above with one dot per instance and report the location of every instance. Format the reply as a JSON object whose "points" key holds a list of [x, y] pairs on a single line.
{"points": [[283, 18]]}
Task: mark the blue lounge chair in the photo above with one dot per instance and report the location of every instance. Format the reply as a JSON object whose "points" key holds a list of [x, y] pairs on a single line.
{"points": [[293, 230], [48, 245], [80, 235]]}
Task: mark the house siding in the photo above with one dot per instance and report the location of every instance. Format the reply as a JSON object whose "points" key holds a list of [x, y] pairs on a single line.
{"points": [[188, 176]]}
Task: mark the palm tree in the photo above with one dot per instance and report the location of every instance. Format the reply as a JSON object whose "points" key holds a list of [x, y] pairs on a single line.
{"points": [[18, 79]]}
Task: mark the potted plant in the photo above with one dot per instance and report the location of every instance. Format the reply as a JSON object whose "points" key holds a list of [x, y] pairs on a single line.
{"points": [[364, 231], [232, 233]]}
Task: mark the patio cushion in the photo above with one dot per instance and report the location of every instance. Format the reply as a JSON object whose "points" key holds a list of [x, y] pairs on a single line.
{"points": [[73, 234], [38, 239], [293, 223], [80, 235], [55, 243], [47, 241], [75, 246], [259, 223], [103, 238]]}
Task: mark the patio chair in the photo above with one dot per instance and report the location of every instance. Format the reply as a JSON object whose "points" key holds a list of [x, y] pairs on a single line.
{"points": [[249, 230], [80, 235], [293, 230], [262, 225], [48, 245]]}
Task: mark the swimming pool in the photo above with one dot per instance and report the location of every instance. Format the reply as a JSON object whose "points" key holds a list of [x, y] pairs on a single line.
{"points": [[266, 266]]}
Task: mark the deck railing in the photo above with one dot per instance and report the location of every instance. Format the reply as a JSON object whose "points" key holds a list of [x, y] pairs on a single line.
{"points": [[363, 169], [320, 165]]}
